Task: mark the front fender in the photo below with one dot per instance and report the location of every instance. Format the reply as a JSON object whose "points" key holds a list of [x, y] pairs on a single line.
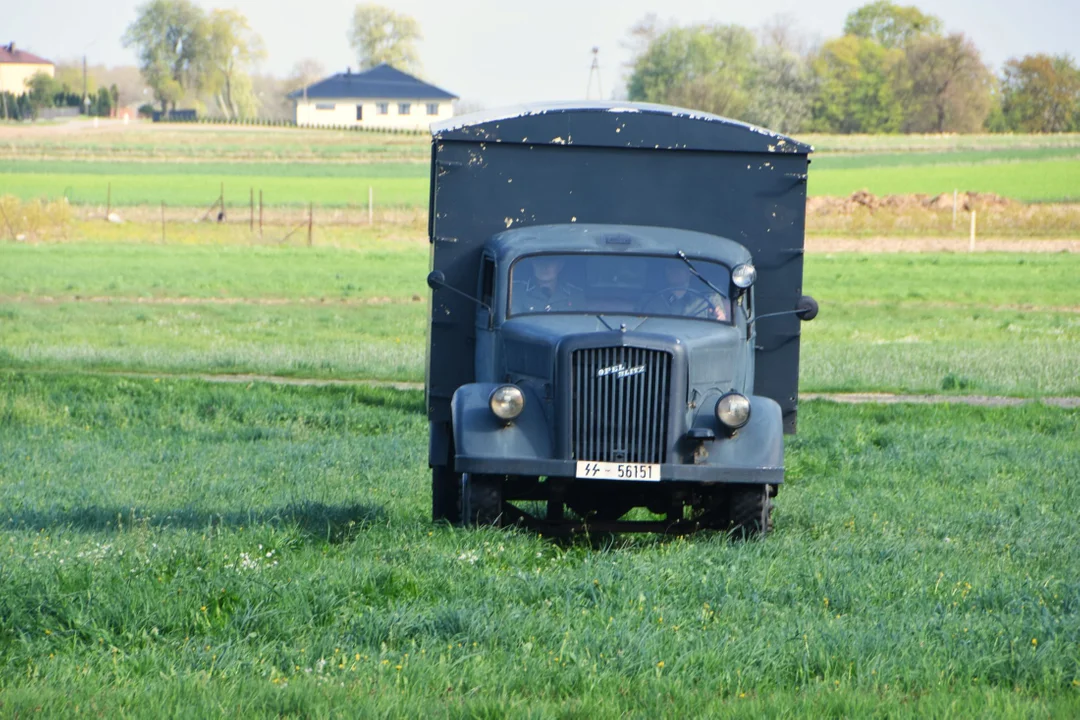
{"points": [[758, 444], [480, 436]]}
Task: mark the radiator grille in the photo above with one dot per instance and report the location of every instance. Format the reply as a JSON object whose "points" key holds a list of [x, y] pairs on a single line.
{"points": [[619, 404]]}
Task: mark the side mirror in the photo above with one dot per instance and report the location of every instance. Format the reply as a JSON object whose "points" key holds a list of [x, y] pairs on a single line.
{"points": [[436, 279], [806, 308]]}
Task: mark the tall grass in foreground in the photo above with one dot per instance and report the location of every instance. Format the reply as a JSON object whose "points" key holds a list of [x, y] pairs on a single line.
{"points": [[175, 546]]}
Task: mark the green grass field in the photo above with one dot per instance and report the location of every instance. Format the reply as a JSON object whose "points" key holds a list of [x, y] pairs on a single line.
{"points": [[1036, 181], [176, 546], [171, 546], [210, 143], [997, 324], [336, 169], [404, 185]]}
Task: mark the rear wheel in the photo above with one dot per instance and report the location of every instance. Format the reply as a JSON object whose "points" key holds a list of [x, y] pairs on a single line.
{"points": [[445, 495], [750, 509], [481, 499]]}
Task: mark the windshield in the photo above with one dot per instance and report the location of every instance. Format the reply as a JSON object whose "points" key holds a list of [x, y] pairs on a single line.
{"points": [[618, 284]]}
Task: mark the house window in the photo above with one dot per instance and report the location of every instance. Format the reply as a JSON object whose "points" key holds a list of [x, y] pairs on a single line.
{"points": [[324, 106], [404, 108], [359, 113], [382, 108], [433, 108]]}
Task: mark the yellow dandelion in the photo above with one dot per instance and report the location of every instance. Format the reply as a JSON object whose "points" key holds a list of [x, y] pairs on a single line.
{"points": [[660, 664]]}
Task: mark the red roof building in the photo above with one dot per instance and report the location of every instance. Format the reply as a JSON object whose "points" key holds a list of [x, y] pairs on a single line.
{"points": [[17, 66]]}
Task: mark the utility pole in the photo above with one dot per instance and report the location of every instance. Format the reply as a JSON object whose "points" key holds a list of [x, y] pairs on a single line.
{"points": [[85, 99], [594, 70]]}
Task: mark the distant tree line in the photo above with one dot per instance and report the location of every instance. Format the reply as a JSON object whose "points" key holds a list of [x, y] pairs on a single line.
{"points": [[44, 91], [205, 59], [893, 70], [188, 54]]}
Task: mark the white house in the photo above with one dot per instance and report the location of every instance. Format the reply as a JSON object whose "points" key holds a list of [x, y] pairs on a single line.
{"points": [[381, 97]]}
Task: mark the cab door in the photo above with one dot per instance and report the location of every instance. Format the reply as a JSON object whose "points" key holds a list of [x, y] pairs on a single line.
{"points": [[487, 360]]}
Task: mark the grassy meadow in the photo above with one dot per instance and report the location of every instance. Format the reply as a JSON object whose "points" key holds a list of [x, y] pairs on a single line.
{"points": [[171, 546], [983, 324], [248, 550]]}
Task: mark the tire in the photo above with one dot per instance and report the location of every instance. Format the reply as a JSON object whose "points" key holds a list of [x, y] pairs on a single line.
{"points": [[481, 500], [711, 510], [750, 510], [445, 495]]}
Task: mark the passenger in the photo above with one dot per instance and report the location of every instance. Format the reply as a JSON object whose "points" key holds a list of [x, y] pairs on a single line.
{"points": [[545, 291], [678, 298]]}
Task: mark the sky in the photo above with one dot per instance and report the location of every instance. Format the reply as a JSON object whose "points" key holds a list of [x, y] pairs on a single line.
{"points": [[499, 52]]}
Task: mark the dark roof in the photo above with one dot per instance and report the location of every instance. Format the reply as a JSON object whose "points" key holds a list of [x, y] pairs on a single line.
{"points": [[615, 124], [11, 54], [381, 81]]}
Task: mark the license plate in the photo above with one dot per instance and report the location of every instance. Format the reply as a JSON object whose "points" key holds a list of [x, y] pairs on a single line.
{"points": [[618, 471]]}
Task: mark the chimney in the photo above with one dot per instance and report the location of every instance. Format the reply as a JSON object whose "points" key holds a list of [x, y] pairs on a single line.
{"points": [[11, 47], [348, 69]]}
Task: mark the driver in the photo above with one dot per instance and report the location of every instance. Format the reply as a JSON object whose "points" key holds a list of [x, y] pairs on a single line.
{"points": [[545, 291], [679, 299]]}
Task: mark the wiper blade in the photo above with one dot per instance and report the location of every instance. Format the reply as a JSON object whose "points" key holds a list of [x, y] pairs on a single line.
{"points": [[698, 275]]}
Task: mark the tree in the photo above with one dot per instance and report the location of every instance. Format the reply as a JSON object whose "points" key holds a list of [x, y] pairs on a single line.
{"points": [[781, 92], [705, 67], [304, 72], [857, 87], [1041, 93], [947, 88], [890, 25], [380, 35], [232, 47], [41, 90], [170, 37], [102, 103], [782, 86]]}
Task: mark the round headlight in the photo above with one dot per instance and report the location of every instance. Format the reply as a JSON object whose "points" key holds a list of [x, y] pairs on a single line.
{"points": [[507, 402], [743, 276], [733, 410]]}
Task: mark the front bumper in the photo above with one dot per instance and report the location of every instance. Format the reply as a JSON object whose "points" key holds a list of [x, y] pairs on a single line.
{"points": [[485, 445], [668, 472]]}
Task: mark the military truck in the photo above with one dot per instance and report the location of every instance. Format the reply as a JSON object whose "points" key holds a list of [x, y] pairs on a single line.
{"points": [[614, 318]]}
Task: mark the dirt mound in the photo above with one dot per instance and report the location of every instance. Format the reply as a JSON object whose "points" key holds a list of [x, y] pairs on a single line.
{"points": [[865, 200]]}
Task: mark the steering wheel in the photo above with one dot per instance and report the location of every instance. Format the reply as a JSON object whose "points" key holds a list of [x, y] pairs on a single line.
{"points": [[712, 308]]}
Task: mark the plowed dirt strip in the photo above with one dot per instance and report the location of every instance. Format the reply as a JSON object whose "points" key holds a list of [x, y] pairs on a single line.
{"points": [[848, 398]]}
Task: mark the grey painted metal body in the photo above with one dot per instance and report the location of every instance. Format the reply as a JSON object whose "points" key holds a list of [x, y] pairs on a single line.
{"points": [[562, 178]]}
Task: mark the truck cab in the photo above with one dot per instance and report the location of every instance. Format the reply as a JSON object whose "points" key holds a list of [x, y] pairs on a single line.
{"points": [[597, 363]]}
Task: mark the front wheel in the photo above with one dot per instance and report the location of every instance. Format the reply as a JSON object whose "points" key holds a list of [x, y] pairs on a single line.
{"points": [[481, 499], [750, 509]]}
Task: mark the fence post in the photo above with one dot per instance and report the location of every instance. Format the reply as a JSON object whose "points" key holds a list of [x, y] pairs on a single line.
{"points": [[310, 221], [251, 219], [971, 246], [370, 205]]}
